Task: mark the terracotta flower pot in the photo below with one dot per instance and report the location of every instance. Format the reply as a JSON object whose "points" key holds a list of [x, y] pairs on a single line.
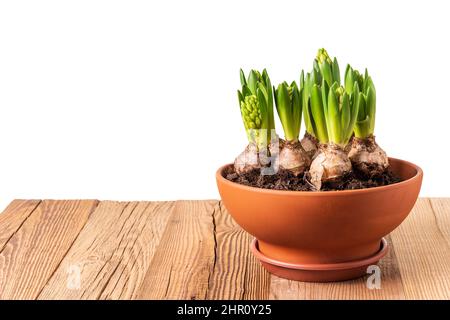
{"points": [[321, 236]]}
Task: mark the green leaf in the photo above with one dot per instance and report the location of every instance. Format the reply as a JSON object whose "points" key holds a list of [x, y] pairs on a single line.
{"points": [[283, 106], [246, 91], [333, 116], [349, 79], [264, 91], [354, 107], [327, 73], [365, 105], [297, 110], [336, 72], [355, 89], [302, 79], [316, 65], [242, 76], [317, 112], [313, 127], [265, 76], [266, 81], [269, 99], [263, 136], [293, 85], [263, 109], [316, 76], [253, 81], [371, 108], [345, 117], [366, 82], [306, 87], [325, 90], [370, 85], [305, 93], [362, 107], [307, 118], [240, 98], [362, 128]]}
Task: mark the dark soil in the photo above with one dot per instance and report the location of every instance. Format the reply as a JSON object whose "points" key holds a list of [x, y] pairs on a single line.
{"points": [[284, 180]]}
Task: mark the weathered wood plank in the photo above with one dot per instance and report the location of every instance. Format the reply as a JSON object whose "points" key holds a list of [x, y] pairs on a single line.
{"points": [[112, 253], [191, 250], [35, 250], [237, 274], [391, 285], [182, 265], [441, 209], [424, 253], [12, 218], [133, 268]]}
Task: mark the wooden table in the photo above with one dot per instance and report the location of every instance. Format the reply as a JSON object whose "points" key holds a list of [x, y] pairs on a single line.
{"points": [[89, 249]]}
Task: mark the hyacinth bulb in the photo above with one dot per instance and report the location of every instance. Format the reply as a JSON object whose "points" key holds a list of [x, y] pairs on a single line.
{"points": [[288, 102]]}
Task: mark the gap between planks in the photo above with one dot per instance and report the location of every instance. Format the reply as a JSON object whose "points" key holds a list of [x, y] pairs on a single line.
{"points": [[112, 252], [204, 255], [180, 268]]}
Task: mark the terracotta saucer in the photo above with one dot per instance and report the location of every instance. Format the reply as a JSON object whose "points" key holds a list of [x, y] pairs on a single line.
{"points": [[319, 272]]}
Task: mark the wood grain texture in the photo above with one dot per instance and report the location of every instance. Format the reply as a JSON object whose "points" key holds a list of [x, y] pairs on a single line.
{"points": [[12, 218], [441, 210], [191, 250], [237, 274], [112, 253], [183, 264], [35, 250], [423, 252]]}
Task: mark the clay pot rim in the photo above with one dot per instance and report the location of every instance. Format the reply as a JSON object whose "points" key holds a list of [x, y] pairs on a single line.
{"points": [[418, 175], [323, 266]]}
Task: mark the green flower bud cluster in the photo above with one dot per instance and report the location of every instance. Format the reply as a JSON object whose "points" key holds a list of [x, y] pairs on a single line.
{"points": [[323, 57], [326, 69], [251, 113], [340, 94], [256, 104]]}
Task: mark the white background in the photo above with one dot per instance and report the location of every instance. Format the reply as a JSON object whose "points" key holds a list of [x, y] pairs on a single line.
{"points": [[136, 100]]}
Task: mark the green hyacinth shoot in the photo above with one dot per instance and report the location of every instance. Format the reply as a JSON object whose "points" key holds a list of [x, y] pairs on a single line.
{"points": [[289, 107], [256, 104], [332, 109], [365, 124]]}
